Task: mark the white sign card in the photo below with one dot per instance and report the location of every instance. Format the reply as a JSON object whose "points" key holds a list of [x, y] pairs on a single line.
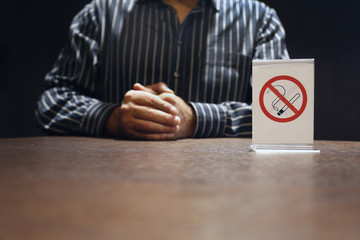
{"points": [[283, 105]]}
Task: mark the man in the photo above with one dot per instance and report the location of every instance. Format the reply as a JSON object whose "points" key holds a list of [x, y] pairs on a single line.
{"points": [[153, 69]]}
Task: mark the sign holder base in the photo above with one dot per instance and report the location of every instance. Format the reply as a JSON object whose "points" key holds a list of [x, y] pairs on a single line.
{"points": [[284, 148]]}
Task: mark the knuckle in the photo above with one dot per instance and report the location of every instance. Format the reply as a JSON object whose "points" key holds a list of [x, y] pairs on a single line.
{"points": [[149, 100], [162, 85], [166, 107], [129, 95], [167, 97], [149, 113], [125, 108], [169, 119]]}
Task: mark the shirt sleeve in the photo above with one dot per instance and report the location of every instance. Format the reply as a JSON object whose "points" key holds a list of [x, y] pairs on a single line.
{"points": [[234, 119], [228, 119], [69, 104]]}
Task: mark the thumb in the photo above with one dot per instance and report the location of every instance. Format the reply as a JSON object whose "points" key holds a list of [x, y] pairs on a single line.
{"points": [[139, 87], [157, 88], [161, 87]]}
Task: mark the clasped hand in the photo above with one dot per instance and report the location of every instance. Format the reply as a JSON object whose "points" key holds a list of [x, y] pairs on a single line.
{"points": [[153, 112]]}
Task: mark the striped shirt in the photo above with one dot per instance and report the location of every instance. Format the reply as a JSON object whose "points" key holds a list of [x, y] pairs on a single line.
{"points": [[206, 60]]}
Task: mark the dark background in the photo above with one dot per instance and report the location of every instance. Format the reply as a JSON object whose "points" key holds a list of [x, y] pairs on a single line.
{"points": [[32, 34]]}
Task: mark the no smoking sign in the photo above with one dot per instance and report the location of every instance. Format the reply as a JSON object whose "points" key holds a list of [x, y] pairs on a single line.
{"points": [[283, 104], [283, 99]]}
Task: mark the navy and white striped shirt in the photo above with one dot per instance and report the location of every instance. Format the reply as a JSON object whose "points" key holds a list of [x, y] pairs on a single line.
{"points": [[206, 60]]}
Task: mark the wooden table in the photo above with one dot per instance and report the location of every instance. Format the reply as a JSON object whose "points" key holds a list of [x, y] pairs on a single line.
{"points": [[88, 188]]}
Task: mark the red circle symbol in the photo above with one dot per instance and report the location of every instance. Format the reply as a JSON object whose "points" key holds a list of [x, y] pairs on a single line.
{"points": [[297, 112]]}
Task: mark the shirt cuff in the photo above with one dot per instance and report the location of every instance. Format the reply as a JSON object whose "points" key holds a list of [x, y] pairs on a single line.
{"points": [[211, 120], [95, 118]]}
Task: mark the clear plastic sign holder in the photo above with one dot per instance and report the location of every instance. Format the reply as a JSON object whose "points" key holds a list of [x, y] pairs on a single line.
{"points": [[284, 148], [283, 106]]}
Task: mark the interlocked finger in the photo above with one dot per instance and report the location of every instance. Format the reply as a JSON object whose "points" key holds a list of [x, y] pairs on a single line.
{"points": [[156, 116], [147, 99]]}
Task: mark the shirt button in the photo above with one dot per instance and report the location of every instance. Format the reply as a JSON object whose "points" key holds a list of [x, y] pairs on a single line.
{"points": [[176, 75]]}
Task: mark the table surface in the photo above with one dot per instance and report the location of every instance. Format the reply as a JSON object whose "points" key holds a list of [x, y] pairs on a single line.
{"points": [[91, 188]]}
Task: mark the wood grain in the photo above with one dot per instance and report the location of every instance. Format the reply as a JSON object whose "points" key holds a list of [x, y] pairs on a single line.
{"points": [[91, 188]]}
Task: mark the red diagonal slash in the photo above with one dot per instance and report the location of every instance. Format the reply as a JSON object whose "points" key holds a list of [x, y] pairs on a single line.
{"points": [[282, 98]]}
